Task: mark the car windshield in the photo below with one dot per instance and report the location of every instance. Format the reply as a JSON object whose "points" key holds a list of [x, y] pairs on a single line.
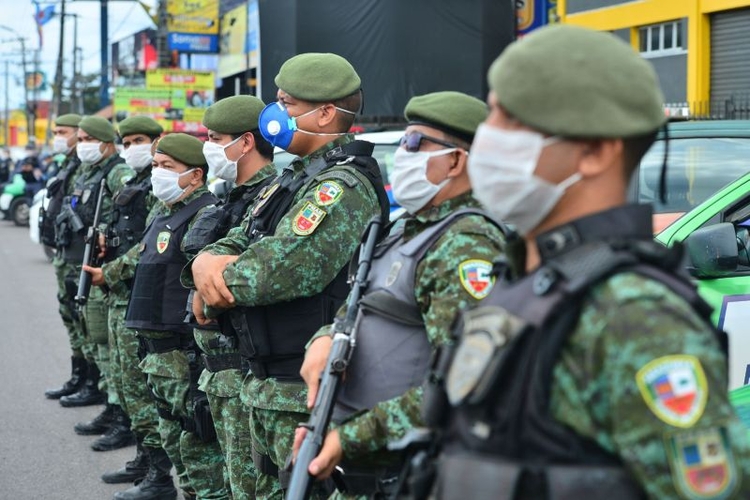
{"points": [[696, 169]]}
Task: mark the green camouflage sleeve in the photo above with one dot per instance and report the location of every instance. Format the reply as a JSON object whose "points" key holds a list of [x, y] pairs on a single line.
{"points": [[452, 276], [116, 179], [313, 241], [646, 378]]}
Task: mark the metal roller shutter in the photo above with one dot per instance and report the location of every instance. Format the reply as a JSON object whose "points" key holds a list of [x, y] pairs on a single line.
{"points": [[730, 56]]}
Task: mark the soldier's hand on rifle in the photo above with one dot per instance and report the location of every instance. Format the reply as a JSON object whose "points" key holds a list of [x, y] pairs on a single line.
{"points": [[329, 457], [315, 362], [198, 312], [102, 243], [97, 275], [208, 275]]}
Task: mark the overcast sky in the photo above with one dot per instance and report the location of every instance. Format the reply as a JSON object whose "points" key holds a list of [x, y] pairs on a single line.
{"points": [[125, 17]]}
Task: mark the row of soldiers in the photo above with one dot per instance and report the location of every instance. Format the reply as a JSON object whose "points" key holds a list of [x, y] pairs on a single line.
{"points": [[568, 358]]}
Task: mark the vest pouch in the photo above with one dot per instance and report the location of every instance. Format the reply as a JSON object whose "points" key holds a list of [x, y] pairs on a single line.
{"points": [[461, 476], [211, 225], [481, 353], [568, 482], [240, 327]]}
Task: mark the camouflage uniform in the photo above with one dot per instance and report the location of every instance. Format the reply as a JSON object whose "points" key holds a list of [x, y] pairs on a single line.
{"points": [[94, 346], [231, 418], [168, 380], [128, 381], [440, 291], [284, 266]]}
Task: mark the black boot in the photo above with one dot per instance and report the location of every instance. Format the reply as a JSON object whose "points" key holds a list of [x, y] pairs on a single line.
{"points": [[89, 394], [119, 434], [98, 425], [133, 471], [157, 484], [72, 385]]}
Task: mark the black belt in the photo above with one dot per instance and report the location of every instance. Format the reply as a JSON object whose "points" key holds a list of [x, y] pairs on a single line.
{"points": [[286, 370], [173, 343], [221, 362], [376, 483]]}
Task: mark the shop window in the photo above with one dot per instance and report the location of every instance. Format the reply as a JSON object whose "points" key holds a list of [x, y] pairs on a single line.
{"points": [[661, 39]]}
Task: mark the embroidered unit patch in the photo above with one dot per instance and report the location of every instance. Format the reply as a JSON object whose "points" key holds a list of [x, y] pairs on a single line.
{"points": [[702, 463], [162, 241], [328, 193], [308, 219], [674, 388], [475, 277]]}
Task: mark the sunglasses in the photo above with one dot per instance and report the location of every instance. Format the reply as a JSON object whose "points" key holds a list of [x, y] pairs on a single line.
{"points": [[412, 142]]}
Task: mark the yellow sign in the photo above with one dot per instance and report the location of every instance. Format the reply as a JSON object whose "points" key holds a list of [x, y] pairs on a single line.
{"points": [[193, 16], [232, 41]]}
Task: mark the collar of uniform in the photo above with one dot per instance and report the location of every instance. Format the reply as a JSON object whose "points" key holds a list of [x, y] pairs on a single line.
{"points": [[415, 225], [142, 175], [195, 194], [300, 163], [263, 173], [628, 222]]}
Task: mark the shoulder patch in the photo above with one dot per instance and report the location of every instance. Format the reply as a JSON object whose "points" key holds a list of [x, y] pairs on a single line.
{"points": [[702, 463], [308, 219], [345, 177], [162, 241], [475, 277], [328, 193], [674, 388]]}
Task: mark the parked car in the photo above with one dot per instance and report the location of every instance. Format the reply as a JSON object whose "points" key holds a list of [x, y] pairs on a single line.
{"points": [[716, 235], [704, 156]]}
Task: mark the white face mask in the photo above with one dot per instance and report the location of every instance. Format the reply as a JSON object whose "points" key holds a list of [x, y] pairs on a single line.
{"points": [[60, 145], [411, 188], [166, 184], [216, 157], [138, 156], [88, 152], [501, 170]]}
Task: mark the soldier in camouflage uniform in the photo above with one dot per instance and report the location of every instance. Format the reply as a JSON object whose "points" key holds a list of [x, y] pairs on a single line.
{"points": [[238, 154], [598, 375], [282, 273], [99, 160], [157, 310], [66, 127], [130, 210], [434, 262]]}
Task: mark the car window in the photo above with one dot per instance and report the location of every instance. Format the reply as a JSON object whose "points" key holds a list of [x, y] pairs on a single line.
{"points": [[697, 168]]}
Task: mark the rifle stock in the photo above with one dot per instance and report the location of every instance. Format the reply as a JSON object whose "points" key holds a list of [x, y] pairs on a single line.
{"points": [[89, 252], [344, 341]]}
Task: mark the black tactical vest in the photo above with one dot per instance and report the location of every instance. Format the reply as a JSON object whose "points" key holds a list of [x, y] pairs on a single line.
{"points": [[501, 440], [214, 223], [129, 213], [158, 299], [273, 337], [56, 189], [83, 202]]}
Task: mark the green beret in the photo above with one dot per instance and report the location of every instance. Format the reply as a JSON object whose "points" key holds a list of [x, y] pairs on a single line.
{"points": [[233, 115], [183, 148], [575, 82], [140, 125], [69, 120], [318, 77], [98, 128], [454, 113]]}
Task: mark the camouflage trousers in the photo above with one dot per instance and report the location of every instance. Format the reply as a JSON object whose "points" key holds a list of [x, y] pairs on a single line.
{"points": [[168, 380], [67, 284], [232, 422], [96, 347], [127, 379]]}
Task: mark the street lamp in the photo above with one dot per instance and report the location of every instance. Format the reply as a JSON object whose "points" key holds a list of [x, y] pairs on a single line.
{"points": [[30, 114]]}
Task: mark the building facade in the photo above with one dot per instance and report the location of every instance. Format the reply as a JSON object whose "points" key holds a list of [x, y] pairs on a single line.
{"points": [[700, 48]]}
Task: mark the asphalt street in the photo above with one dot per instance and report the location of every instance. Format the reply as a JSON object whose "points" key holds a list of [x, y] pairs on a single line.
{"points": [[40, 455]]}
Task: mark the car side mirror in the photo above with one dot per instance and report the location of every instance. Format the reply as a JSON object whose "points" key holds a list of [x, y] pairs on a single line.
{"points": [[713, 251]]}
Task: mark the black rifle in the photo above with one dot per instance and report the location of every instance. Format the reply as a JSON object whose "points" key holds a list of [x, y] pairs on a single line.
{"points": [[90, 251], [344, 342]]}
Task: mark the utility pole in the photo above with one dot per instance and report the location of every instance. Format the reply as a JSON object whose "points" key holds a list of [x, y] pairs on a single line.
{"points": [[104, 35], [6, 121], [30, 117], [57, 86], [164, 58]]}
